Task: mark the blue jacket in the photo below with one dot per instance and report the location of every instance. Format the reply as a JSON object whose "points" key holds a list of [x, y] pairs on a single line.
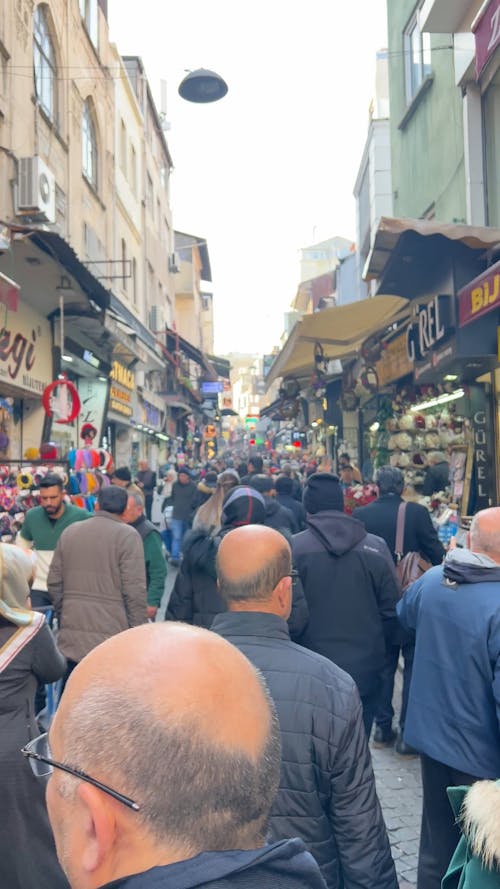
{"points": [[284, 865], [327, 793], [454, 703]]}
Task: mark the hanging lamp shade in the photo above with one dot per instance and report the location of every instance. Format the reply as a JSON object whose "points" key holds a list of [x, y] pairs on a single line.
{"points": [[203, 86]]}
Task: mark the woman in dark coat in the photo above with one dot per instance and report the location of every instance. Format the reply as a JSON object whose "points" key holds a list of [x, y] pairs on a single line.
{"points": [[27, 653]]}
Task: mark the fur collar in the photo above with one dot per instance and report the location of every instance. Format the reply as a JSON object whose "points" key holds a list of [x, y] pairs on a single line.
{"points": [[481, 821]]}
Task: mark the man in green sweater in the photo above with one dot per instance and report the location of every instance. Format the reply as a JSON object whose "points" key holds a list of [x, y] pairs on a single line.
{"points": [[156, 566], [42, 528]]}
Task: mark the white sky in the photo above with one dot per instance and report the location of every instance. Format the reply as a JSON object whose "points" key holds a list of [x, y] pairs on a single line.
{"points": [[271, 167]]}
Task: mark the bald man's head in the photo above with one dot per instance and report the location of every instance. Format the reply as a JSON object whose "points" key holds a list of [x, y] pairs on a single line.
{"points": [[251, 561], [177, 719], [485, 533]]}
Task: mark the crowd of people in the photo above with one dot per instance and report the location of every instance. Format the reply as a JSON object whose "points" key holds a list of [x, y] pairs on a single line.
{"points": [[228, 745]]}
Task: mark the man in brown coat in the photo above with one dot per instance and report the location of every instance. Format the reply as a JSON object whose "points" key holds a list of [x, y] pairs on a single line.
{"points": [[97, 579]]}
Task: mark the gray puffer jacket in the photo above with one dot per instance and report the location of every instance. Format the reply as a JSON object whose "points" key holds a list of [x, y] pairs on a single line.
{"points": [[97, 583], [327, 793]]}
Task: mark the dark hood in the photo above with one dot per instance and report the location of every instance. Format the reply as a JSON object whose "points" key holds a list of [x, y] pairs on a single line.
{"points": [[464, 566], [338, 532], [276, 862], [272, 505], [200, 549]]}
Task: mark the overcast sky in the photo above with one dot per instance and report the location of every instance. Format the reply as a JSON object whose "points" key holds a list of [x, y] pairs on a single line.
{"points": [[271, 167]]}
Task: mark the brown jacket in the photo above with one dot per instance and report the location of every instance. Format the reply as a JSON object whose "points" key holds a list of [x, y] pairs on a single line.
{"points": [[97, 583]]}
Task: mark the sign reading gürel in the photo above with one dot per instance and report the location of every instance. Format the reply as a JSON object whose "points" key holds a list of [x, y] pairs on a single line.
{"points": [[431, 326]]}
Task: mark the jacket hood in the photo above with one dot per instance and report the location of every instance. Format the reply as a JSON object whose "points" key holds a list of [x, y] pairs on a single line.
{"points": [[272, 505], [288, 857], [338, 532], [464, 566], [200, 549]]}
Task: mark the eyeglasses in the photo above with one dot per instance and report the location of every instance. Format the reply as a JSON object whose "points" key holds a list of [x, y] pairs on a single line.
{"points": [[38, 753], [294, 574]]}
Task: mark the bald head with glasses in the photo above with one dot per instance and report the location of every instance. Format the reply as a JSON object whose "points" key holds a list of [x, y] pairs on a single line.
{"points": [[165, 745]]}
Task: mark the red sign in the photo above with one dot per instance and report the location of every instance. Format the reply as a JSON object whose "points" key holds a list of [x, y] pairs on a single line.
{"points": [[487, 34], [9, 292], [480, 296]]}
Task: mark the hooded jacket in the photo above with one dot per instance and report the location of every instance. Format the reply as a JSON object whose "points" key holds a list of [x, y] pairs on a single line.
{"points": [[351, 591], [283, 865], [327, 792], [454, 702], [279, 517], [477, 857]]}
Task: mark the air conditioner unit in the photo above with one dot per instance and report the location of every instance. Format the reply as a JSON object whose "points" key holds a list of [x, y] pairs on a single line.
{"points": [[174, 263], [36, 188], [156, 319], [140, 378]]}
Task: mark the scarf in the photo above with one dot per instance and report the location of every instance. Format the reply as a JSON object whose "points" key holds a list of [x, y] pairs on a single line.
{"points": [[16, 569]]}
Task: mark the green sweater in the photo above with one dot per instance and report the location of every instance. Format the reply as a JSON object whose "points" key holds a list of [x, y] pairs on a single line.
{"points": [[44, 534], [156, 566]]}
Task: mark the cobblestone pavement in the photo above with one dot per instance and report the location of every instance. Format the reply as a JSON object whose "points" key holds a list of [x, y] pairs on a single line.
{"points": [[400, 792]]}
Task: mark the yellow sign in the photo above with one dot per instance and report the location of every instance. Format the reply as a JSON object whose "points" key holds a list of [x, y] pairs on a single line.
{"points": [[122, 375]]}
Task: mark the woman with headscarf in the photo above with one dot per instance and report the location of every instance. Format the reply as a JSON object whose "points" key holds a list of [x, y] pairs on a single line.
{"points": [[27, 653]]}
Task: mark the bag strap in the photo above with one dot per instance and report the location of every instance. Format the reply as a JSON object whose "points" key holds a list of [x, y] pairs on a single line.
{"points": [[400, 531]]}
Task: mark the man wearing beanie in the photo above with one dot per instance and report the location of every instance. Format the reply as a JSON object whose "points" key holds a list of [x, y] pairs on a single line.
{"points": [[97, 578], [350, 586], [195, 597]]}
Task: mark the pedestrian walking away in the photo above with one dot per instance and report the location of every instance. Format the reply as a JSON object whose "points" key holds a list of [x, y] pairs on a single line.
{"points": [[183, 499], [97, 579], [350, 586], [146, 481], [454, 698], [381, 518], [179, 823], [327, 792]]}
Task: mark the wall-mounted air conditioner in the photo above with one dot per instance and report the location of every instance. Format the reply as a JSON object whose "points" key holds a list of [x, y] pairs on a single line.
{"points": [[36, 188], [174, 263], [157, 319]]}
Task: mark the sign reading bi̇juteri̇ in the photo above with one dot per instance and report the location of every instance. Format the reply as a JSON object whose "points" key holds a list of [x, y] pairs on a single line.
{"points": [[122, 386]]}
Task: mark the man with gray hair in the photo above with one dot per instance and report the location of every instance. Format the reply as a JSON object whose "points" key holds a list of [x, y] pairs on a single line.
{"points": [[453, 716], [164, 758], [419, 535], [327, 792]]}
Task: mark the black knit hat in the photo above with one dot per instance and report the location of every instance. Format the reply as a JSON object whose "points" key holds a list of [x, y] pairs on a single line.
{"points": [[323, 492], [243, 506], [123, 473]]}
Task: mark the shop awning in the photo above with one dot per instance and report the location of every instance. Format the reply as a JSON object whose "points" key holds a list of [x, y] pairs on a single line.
{"points": [[390, 231], [340, 330], [174, 341]]}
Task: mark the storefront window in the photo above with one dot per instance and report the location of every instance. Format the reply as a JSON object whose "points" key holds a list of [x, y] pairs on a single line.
{"points": [[491, 108]]}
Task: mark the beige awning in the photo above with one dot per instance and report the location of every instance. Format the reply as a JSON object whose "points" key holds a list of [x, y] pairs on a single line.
{"points": [[389, 231], [340, 330]]}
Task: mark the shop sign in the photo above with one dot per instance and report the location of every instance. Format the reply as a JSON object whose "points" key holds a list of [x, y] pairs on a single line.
{"points": [[394, 362], [9, 293], [93, 394], [26, 351], [434, 362], [483, 449], [431, 327], [486, 31], [122, 375], [122, 386], [482, 295]]}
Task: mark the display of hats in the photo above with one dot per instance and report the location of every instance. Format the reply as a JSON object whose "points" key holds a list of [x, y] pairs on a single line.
{"points": [[419, 459], [394, 459], [403, 461], [48, 451], [430, 421], [392, 443], [31, 454], [406, 421], [419, 421], [391, 424], [432, 440], [403, 441]]}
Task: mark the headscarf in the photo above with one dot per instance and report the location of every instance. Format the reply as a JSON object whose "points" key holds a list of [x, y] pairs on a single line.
{"points": [[16, 570]]}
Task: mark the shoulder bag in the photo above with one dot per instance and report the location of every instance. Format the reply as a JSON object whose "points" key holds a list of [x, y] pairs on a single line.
{"points": [[411, 566]]}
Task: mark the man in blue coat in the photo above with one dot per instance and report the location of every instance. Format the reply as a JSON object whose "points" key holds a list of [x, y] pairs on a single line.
{"points": [[453, 716], [164, 759], [327, 794]]}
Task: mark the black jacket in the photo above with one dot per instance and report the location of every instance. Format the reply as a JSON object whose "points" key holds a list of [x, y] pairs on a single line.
{"points": [[183, 499], [195, 598], [380, 518], [296, 508], [327, 792], [351, 591], [278, 517], [284, 865]]}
